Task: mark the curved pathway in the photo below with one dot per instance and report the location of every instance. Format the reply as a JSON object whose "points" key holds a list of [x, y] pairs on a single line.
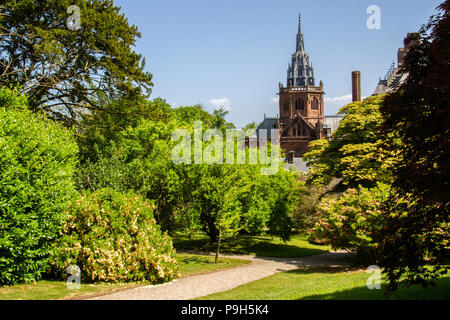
{"points": [[204, 284]]}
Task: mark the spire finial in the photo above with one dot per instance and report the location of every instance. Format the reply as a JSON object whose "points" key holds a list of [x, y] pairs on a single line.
{"points": [[299, 23]]}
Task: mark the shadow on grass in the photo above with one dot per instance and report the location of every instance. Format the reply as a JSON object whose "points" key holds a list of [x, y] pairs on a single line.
{"points": [[326, 270], [440, 291], [258, 246], [194, 260]]}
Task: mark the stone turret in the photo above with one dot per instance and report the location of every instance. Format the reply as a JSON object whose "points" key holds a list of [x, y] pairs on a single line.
{"points": [[300, 70], [301, 104]]}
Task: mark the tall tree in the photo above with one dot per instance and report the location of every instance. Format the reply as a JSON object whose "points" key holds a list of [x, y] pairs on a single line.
{"points": [[417, 233], [63, 52], [355, 155]]}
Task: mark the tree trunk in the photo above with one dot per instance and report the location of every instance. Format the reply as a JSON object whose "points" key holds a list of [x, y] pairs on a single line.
{"points": [[213, 234], [209, 227], [218, 248]]}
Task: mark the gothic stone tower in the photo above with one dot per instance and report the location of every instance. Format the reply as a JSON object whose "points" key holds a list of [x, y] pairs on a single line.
{"points": [[301, 104]]}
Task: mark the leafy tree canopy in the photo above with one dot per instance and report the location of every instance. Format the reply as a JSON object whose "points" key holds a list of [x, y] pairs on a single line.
{"points": [[60, 68], [417, 244], [355, 154]]}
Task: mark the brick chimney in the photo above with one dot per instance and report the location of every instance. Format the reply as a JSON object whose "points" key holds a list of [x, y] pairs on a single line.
{"points": [[356, 86]]}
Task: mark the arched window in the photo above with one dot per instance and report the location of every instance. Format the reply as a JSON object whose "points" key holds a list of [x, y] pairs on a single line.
{"points": [[296, 105], [299, 130], [302, 104], [315, 104]]}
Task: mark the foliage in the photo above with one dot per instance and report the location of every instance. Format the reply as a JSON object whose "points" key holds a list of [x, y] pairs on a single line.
{"points": [[278, 195], [62, 69], [260, 201], [113, 237], [354, 221], [189, 114], [219, 120], [355, 154], [97, 129], [12, 99], [215, 198], [252, 126], [220, 199], [37, 164], [419, 114], [260, 245], [233, 198], [139, 160], [188, 219], [305, 202]]}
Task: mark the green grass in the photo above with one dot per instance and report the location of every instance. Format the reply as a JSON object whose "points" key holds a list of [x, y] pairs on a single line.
{"points": [[326, 284], [263, 246], [54, 290], [195, 264]]}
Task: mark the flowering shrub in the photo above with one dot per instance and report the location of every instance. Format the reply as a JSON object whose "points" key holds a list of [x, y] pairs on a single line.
{"points": [[113, 237], [353, 221]]}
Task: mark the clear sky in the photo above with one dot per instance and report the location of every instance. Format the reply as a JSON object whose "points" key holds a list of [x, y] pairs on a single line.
{"points": [[235, 52]]}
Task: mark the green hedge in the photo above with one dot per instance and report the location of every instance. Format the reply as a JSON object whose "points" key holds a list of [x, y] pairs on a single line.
{"points": [[113, 237], [37, 163]]}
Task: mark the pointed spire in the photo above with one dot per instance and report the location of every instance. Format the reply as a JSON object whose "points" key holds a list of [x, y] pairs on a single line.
{"points": [[300, 44], [300, 71], [299, 23]]}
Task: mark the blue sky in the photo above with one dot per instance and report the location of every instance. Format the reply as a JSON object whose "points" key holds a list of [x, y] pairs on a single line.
{"points": [[235, 52]]}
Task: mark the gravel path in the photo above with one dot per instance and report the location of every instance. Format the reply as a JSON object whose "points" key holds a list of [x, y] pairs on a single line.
{"points": [[205, 284]]}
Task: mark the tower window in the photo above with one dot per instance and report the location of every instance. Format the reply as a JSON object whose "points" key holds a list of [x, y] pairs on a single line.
{"points": [[299, 104], [315, 104]]}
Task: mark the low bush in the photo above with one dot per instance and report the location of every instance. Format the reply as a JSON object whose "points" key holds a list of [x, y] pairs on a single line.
{"points": [[113, 237], [37, 164], [354, 221]]}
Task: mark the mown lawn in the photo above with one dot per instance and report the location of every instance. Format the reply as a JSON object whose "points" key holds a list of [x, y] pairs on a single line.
{"points": [[55, 290], [195, 264], [52, 290], [264, 246], [327, 284]]}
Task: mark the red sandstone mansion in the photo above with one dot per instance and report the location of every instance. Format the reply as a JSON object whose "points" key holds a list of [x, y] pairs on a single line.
{"points": [[301, 114], [301, 117], [301, 106]]}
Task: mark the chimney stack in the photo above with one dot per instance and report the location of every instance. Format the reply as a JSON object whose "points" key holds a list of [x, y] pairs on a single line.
{"points": [[356, 86]]}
